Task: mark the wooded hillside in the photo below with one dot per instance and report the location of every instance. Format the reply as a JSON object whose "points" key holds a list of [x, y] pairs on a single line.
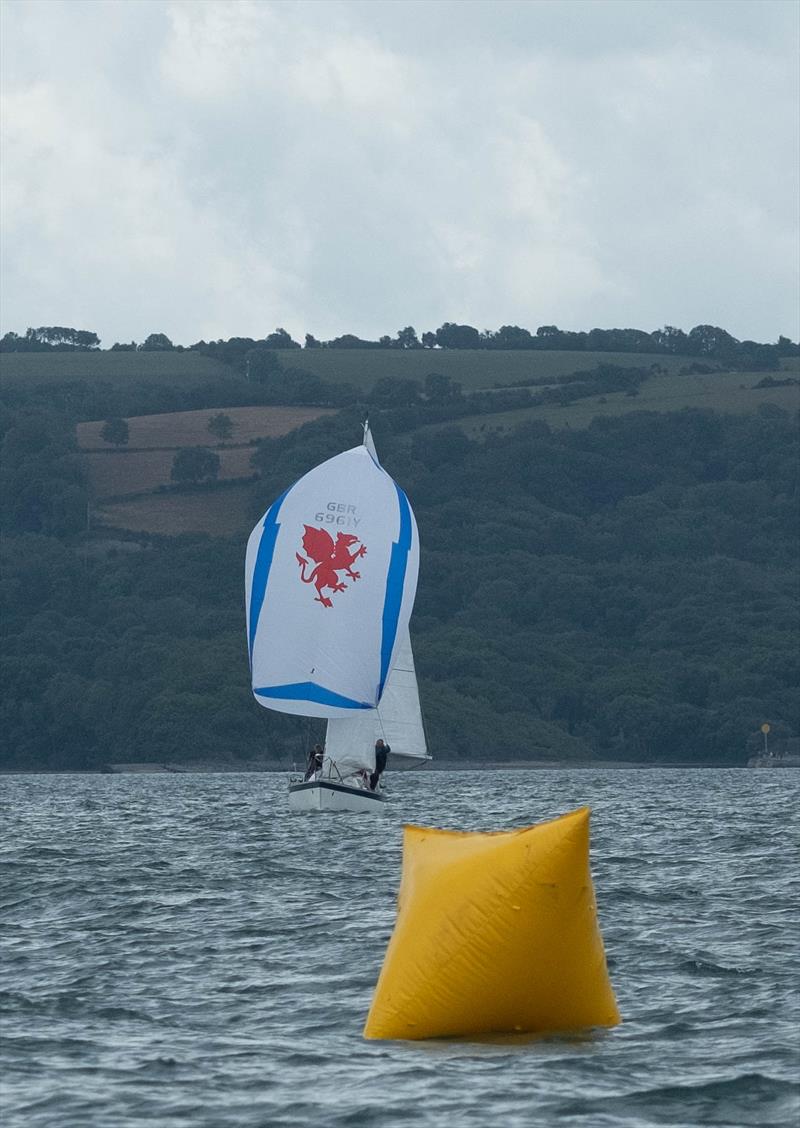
{"points": [[622, 588]]}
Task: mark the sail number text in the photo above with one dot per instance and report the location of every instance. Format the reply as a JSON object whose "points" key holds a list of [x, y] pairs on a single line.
{"points": [[338, 513]]}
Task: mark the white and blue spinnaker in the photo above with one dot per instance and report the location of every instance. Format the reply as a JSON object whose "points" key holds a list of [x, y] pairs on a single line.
{"points": [[331, 574]]}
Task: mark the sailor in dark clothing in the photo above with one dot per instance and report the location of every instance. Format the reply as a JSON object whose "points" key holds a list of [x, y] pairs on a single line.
{"points": [[381, 755], [314, 761]]}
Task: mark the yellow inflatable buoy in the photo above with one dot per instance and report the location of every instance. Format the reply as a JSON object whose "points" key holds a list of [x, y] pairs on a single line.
{"points": [[495, 933]]}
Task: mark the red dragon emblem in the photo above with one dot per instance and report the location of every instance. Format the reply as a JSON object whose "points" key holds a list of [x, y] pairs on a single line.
{"points": [[330, 559]]}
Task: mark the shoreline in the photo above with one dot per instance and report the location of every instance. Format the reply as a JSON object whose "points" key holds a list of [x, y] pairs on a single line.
{"points": [[269, 768]]}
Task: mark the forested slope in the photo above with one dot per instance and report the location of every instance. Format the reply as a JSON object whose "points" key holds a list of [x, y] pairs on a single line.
{"points": [[625, 591]]}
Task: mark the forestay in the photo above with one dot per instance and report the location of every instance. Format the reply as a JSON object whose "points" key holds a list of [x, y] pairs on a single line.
{"points": [[331, 574]]}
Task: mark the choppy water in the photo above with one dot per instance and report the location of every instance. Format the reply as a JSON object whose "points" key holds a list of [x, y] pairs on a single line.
{"points": [[179, 950]]}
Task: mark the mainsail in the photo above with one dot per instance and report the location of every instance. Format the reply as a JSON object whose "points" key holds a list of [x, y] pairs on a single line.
{"points": [[331, 574]]}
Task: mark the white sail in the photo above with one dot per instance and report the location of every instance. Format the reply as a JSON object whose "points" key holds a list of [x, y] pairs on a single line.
{"points": [[331, 574], [399, 715], [349, 745], [350, 741]]}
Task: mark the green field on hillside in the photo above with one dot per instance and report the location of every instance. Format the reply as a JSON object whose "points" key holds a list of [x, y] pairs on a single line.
{"points": [[478, 368], [472, 368], [733, 392], [177, 368], [219, 513]]}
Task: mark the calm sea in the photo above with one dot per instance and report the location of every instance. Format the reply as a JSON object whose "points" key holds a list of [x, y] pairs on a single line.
{"points": [[179, 950]]}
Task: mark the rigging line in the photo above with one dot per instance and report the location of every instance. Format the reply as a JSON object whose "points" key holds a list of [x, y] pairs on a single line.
{"points": [[304, 739], [268, 740], [422, 717]]}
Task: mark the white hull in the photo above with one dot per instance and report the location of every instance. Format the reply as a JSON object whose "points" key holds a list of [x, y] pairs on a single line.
{"points": [[325, 795]]}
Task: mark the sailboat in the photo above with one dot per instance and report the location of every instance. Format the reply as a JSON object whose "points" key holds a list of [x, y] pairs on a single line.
{"points": [[330, 579]]}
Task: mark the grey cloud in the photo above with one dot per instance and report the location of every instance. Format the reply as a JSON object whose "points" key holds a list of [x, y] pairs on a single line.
{"points": [[215, 169]]}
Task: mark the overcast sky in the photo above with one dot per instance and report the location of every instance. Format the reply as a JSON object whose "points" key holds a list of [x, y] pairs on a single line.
{"points": [[217, 168]]}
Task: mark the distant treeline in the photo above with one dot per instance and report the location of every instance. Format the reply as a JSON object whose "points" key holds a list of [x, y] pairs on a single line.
{"points": [[705, 341]]}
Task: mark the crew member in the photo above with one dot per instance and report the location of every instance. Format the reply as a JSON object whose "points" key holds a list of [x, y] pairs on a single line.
{"points": [[314, 761], [381, 754]]}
